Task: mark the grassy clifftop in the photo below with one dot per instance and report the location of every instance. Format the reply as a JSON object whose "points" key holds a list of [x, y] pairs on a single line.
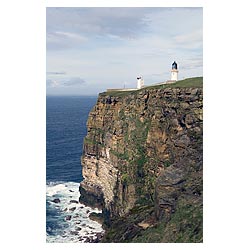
{"points": [[195, 82]]}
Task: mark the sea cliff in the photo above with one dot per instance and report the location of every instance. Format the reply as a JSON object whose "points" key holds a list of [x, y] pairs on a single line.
{"points": [[142, 163]]}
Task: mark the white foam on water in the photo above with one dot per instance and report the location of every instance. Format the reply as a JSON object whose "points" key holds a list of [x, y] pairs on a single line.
{"points": [[52, 190], [71, 217]]}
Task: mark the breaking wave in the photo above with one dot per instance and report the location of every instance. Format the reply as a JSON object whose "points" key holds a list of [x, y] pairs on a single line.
{"points": [[67, 220]]}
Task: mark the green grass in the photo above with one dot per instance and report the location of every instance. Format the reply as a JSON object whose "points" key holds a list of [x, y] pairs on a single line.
{"points": [[121, 156], [119, 93], [185, 225], [89, 141], [195, 82], [151, 235]]}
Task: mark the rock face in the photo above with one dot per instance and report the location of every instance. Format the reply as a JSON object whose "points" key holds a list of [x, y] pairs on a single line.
{"points": [[143, 151]]}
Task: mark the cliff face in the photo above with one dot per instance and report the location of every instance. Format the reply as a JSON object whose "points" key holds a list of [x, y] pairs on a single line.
{"points": [[142, 163]]}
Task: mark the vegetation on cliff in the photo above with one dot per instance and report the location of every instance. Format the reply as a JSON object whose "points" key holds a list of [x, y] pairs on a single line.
{"points": [[196, 82], [142, 163]]}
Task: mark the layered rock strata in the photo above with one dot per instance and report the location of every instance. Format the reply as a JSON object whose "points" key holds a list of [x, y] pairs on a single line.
{"points": [[144, 150]]}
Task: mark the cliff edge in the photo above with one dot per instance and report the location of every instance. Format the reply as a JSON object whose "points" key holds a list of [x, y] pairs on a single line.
{"points": [[142, 163]]}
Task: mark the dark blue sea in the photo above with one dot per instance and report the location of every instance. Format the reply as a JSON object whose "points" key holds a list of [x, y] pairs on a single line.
{"points": [[66, 219]]}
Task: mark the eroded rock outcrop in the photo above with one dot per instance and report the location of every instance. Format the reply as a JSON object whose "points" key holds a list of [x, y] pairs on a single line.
{"points": [[144, 149]]}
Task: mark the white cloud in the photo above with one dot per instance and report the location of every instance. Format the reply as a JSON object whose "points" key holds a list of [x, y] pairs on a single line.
{"points": [[121, 22], [70, 35], [73, 81], [189, 40], [65, 82], [62, 40], [52, 83]]}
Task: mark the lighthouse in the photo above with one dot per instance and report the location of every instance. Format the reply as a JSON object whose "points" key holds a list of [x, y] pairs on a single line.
{"points": [[174, 72], [140, 82]]}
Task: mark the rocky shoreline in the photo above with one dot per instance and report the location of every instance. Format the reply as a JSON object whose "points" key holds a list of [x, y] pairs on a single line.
{"points": [[73, 222]]}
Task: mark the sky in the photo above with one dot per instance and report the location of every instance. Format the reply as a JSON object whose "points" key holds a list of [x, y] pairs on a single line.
{"points": [[92, 49]]}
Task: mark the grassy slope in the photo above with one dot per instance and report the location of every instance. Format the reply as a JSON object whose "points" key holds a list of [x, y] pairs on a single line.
{"points": [[185, 225], [195, 82]]}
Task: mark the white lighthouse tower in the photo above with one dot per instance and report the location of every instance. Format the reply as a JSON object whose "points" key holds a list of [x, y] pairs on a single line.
{"points": [[174, 72], [140, 82]]}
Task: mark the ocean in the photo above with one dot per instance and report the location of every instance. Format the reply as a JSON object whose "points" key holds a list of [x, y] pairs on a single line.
{"points": [[66, 219]]}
